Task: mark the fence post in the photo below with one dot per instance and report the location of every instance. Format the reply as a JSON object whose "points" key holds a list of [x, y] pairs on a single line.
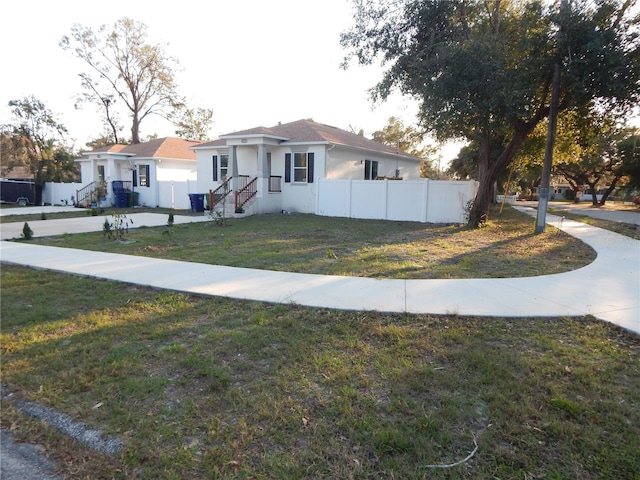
{"points": [[350, 189], [386, 199], [425, 206]]}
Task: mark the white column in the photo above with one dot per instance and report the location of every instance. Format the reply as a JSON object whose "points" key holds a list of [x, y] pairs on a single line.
{"points": [[233, 167], [263, 171]]}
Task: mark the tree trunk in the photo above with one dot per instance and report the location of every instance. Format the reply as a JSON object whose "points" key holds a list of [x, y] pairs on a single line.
{"points": [[488, 174], [135, 129], [480, 207], [609, 190]]}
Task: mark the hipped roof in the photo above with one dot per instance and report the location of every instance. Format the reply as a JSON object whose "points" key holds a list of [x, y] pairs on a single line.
{"points": [[168, 147], [308, 131]]}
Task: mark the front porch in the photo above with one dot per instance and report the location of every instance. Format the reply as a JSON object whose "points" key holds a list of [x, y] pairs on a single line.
{"points": [[246, 193], [119, 193]]}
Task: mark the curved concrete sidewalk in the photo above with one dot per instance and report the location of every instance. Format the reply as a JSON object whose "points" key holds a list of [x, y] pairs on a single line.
{"points": [[608, 288]]}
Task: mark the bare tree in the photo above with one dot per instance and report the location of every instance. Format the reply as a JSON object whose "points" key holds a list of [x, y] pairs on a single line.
{"points": [[126, 72]]}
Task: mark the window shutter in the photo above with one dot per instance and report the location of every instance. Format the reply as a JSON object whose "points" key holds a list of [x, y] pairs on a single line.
{"points": [[310, 158], [135, 177], [374, 169], [215, 168], [367, 169], [148, 170], [287, 168]]}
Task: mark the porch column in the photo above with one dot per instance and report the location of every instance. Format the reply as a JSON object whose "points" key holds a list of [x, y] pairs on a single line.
{"points": [[109, 175], [94, 172], [262, 171], [233, 167]]}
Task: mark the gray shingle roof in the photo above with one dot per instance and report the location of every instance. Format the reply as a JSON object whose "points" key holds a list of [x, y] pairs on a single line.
{"points": [[306, 131]]}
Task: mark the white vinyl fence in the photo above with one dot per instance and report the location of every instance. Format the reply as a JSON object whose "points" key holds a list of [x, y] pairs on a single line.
{"points": [[171, 194], [427, 201], [60, 193], [175, 194]]}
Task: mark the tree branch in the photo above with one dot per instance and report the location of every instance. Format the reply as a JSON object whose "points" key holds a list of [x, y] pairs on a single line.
{"points": [[455, 464]]}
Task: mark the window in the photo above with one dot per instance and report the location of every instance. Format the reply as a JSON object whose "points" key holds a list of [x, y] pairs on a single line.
{"points": [[143, 176], [220, 167], [370, 169], [300, 169]]}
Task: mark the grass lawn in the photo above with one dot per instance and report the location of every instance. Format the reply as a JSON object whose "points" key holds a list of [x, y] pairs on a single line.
{"points": [[342, 246], [203, 387]]}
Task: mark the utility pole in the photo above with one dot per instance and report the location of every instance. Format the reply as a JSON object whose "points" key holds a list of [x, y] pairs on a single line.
{"points": [[545, 182], [544, 190]]}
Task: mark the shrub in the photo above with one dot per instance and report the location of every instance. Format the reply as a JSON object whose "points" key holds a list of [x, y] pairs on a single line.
{"points": [[27, 233], [116, 230]]}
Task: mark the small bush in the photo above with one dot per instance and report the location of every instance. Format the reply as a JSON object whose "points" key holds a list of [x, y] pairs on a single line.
{"points": [[117, 229], [106, 228], [27, 233], [170, 220]]}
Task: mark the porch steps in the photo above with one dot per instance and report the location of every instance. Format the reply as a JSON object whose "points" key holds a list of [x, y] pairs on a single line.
{"points": [[229, 208]]}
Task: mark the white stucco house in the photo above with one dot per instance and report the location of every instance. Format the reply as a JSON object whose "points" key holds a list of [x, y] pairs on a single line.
{"points": [[271, 169], [159, 172], [301, 166]]}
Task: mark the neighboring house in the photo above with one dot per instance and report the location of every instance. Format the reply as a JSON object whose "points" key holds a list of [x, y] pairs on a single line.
{"points": [[17, 173], [278, 168], [155, 173]]}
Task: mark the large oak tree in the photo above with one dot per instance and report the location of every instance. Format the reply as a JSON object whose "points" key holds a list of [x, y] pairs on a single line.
{"points": [[482, 70]]}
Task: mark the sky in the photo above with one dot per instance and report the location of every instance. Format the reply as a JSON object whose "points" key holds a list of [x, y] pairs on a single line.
{"points": [[255, 63]]}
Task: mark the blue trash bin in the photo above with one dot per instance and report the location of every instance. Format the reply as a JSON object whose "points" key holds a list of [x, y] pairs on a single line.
{"points": [[197, 202], [122, 199]]}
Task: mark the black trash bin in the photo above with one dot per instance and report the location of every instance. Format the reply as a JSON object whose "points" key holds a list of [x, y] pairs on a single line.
{"points": [[197, 202]]}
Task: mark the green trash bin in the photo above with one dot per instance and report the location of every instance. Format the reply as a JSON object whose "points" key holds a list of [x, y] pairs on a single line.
{"points": [[133, 199]]}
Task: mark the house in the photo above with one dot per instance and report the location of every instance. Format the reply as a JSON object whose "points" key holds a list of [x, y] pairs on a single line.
{"points": [[159, 173], [18, 173], [278, 168], [302, 166]]}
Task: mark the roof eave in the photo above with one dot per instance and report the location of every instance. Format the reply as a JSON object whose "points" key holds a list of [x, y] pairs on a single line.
{"points": [[378, 152], [253, 135]]}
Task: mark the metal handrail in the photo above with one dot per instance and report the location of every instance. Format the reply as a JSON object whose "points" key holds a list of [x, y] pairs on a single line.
{"points": [[246, 193], [83, 193], [219, 194]]}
